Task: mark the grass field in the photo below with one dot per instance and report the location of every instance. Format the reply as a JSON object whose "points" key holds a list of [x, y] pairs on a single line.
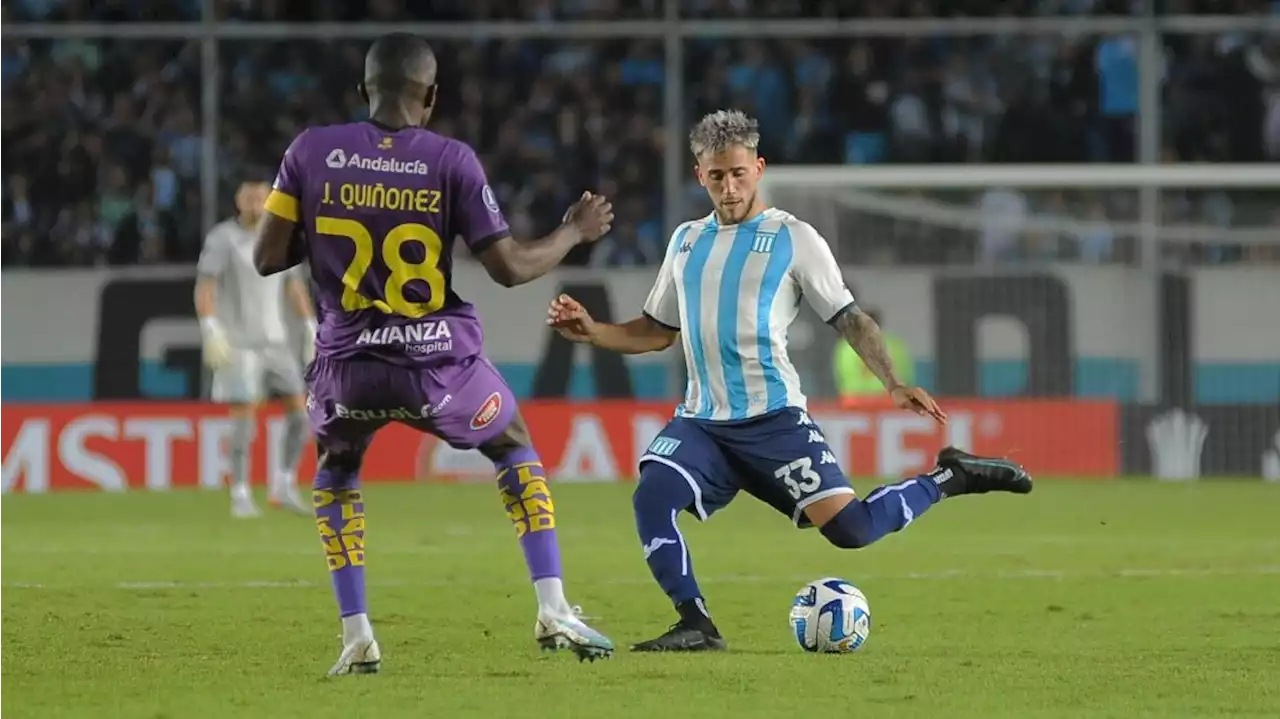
{"points": [[1122, 599]]}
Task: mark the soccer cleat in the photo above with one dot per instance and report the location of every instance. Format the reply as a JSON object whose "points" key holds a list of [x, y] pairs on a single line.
{"points": [[683, 637], [554, 632], [284, 495], [979, 475], [361, 656], [242, 504]]}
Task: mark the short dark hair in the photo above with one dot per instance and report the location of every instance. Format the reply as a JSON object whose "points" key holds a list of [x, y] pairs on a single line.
{"points": [[398, 60]]}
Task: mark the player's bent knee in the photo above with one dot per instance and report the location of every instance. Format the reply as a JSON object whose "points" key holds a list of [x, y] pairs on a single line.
{"points": [[850, 528], [661, 485], [513, 438], [340, 466]]}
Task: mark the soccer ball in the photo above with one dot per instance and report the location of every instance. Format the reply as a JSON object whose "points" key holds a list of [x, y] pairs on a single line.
{"points": [[831, 616]]}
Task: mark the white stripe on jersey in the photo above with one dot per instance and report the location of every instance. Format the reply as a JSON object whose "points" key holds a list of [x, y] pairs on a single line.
{"points": [[733, 290]]}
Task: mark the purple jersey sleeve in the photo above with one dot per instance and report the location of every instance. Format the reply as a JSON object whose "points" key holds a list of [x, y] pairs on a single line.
{"points": [[286, 191], [475, 206]]}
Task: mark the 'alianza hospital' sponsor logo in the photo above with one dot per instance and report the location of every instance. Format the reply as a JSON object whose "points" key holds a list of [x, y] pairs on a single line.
{"points": [[426, 337]]}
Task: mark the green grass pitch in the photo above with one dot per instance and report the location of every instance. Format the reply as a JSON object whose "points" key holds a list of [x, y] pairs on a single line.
{"points": [[1117, 599]]}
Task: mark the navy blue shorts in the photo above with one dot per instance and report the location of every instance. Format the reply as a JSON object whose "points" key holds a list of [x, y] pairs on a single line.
{"points": [[780, 458]]}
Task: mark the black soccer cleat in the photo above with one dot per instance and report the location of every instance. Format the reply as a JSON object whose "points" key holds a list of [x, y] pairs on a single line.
{"points": [[682, 637], [978, 475]]}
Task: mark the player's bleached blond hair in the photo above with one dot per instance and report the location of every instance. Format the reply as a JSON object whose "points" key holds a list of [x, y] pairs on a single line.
{"points": [[722, 129]]}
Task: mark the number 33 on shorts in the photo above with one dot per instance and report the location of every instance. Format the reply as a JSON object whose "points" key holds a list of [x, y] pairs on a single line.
{"points": [[799, 477]]}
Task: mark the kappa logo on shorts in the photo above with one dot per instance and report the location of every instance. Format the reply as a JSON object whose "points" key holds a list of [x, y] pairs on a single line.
{"points": [[487, 412]]}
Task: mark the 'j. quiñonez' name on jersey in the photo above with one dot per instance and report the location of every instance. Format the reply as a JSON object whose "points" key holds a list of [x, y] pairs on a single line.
{"points": [[427, 337]]}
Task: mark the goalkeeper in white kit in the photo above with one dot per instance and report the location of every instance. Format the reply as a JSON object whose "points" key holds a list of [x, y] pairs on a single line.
{"points": [[246, 345]]}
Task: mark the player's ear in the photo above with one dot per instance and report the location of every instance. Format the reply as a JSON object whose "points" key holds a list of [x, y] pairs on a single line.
{"points": [[430, 100], [364, 91]]}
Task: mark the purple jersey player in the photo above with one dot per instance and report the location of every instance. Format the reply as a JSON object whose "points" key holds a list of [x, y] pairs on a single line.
{"points": [[379, 204]]}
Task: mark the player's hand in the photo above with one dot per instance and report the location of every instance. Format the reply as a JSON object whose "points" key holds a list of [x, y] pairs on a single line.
{"points": [[592, 215], [568, 317], [216, 348], [918, 401]]}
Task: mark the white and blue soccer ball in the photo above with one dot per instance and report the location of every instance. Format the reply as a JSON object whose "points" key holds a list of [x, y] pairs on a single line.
{"points": [[830, 616]]}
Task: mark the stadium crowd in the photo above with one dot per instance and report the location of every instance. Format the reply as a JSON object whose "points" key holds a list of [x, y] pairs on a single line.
{"points": [[102, 140]]}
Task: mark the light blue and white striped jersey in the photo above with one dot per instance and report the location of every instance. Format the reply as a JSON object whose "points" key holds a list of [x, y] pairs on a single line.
{"points": [[732, 291]]}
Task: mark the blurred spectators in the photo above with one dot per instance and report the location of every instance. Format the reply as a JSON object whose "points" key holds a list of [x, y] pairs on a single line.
{"points": [[100, 151], [102, 139], [548, 120]]}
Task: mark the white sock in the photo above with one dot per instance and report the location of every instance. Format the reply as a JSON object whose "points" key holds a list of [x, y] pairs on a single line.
{"points": [[356, 627], [550, 591], [282, 481]]}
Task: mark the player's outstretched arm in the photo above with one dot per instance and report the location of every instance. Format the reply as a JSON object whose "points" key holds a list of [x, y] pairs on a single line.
{"points": [[638, 336], [511, 263], [863, 334], [822, 284]]}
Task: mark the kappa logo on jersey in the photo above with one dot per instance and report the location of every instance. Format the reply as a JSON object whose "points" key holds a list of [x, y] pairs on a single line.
{"points": [[487, 412], [338, 159], [685, 246], [763, 241], [490, 200]]}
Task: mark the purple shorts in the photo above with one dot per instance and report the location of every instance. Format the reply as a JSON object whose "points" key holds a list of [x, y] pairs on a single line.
{"points": [[465, 404]]}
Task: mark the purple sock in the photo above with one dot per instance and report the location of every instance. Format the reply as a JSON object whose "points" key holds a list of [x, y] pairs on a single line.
{"points": [[522, 482], [340, 519]]}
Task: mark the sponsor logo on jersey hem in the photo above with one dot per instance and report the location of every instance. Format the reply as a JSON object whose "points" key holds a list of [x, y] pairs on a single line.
{"points": [[488, 412], [422, 338], [338, 159]]}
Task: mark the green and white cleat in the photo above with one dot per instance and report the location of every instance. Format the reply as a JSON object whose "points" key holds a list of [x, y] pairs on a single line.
{"points": [[555, 632]]}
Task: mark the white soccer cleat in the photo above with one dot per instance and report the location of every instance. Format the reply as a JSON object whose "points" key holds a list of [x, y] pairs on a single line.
{"points": [[568, 631], [359, 656], [284, 495], [242, 504]]}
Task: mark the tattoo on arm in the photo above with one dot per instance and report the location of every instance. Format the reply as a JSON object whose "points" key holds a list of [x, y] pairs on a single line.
{"points": [[863, 335]]}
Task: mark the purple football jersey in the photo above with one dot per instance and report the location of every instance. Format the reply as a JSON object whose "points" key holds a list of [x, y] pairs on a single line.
{"points": [[380, 210]]}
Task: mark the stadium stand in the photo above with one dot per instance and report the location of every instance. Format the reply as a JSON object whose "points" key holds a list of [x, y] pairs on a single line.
{"points": [[101, 143]]}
